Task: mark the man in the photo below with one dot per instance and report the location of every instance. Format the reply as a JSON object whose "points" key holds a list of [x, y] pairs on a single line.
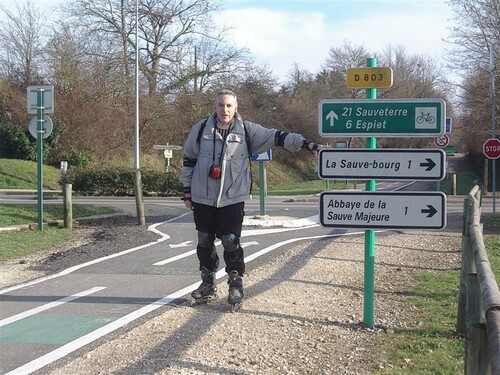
{"points": [[217, 179]]}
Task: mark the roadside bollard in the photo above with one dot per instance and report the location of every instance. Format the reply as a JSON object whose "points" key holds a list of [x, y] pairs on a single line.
{"points": [[68, 206]]}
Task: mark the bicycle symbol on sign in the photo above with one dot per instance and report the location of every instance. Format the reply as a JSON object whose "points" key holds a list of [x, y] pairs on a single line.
{"points": [[425, 117]]}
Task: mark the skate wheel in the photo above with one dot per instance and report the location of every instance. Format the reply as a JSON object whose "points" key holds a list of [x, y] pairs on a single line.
{"points": [[203, 300]]}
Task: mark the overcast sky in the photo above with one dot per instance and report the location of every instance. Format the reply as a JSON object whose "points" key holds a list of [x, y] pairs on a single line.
{"points": [[279, 33]]}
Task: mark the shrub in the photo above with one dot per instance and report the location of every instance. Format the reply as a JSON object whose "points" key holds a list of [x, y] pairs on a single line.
{"points": [[15, 144], [120, 182]]}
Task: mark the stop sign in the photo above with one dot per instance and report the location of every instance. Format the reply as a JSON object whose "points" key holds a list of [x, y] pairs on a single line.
{"points": [[491, 148]]}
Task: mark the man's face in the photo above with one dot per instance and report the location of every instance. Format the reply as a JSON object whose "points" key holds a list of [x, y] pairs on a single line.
{"points": [[226, 106]]}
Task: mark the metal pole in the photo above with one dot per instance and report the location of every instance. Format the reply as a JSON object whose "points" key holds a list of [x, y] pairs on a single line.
{"points": [[493, 118], [262, 187], [137, 181], [39, 153], [369, 292]]}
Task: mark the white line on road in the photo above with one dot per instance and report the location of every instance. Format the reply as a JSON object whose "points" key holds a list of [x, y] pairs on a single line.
{"points": [[50, 305], [67, 271], [182, 244], [175, 258], [192, 252]]}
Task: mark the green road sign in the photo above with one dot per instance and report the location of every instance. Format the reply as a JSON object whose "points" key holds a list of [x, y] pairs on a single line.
{"points": [[382, 118]]}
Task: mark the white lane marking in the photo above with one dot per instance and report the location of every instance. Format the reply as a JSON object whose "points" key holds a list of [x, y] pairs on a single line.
{"points": [[50, 305], [286, 242], [70, 347], [151, 228], [67, 271], [192, 252], [173, 259], [296, 223], [251, 243], [182, 244], [259, 232]]}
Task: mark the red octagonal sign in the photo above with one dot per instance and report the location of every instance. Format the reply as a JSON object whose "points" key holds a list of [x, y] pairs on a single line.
{"points": [[491, 148]]}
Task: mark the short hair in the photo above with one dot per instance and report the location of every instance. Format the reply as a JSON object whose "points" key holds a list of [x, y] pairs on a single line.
{"points": [[226, 92]]}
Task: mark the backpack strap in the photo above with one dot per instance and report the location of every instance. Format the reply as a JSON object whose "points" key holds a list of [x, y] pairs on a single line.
{"points": [[200, 132]]}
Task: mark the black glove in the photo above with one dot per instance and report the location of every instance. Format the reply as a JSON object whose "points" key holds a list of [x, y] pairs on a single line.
{"points": [[306, 143]]}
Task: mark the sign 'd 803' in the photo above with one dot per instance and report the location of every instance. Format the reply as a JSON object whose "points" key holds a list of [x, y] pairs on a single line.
{"points": [[369, 77]]}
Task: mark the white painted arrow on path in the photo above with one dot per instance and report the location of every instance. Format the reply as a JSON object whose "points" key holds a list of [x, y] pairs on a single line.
{"points": [[192, 252], [182, 244]]}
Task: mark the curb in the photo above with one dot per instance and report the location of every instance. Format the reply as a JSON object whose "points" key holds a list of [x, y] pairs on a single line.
{"points": [[53, 223], [29, 192]]}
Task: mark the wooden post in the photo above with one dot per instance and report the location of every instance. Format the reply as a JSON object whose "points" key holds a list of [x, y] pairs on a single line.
{"points": [[476, 341], [68, 206], [477, 360], [465, 270]]}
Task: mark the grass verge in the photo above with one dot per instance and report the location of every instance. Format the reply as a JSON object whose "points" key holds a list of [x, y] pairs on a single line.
{"points": [[22, 174], [433, 347], [18, 214], [19, 243], [492, 244]]}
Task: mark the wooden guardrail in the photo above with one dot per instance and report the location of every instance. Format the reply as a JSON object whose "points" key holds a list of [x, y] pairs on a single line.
{"points": [[479, 299]]}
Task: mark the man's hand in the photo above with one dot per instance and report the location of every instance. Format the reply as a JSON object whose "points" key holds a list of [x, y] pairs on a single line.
{"points": [[187, 200], [314, 148], [188, 203]]}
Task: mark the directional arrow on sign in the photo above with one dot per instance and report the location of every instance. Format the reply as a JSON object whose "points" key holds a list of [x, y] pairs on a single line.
{"points": [[431, 211], [430, 164], [332, 116], [382, 164]]}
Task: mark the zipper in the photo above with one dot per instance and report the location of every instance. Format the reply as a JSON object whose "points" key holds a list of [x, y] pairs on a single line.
{"points": [[223, 170]]}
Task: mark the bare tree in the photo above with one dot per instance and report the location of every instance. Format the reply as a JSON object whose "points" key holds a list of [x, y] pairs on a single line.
{"points": [[415, 76], [22, 38], [179, 47], [476, 27], [347, 56]]}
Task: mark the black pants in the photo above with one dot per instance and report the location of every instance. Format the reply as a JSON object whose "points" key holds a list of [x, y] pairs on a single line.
{"points": [[220, 222]]}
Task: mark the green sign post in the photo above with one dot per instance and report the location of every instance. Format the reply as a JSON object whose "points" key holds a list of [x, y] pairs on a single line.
{"points": [[40, 100], [369, 269], [382, 118], [39, 152]]}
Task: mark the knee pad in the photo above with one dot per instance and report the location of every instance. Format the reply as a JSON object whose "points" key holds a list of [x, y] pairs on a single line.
{"points": [[206, 240], [230, 242]]}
